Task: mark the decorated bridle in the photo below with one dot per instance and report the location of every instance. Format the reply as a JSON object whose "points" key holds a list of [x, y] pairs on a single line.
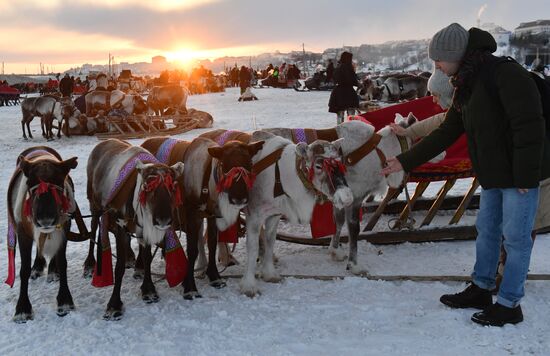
{"points": [[156, 180], [329, 166], [57, 192], [225, 180]]}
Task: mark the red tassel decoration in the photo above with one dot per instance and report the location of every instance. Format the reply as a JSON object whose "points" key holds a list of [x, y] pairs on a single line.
{"points": [[176, 261], [11, 268], [105, 278]]}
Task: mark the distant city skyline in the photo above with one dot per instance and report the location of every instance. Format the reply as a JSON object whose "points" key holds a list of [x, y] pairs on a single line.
{"points": [[68, 33]]}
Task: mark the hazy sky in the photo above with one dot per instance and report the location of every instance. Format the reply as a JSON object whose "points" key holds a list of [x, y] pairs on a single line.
{"points": [[72, 32]]}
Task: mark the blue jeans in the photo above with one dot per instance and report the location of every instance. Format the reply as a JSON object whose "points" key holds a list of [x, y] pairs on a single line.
{"points": [[505, 213]]}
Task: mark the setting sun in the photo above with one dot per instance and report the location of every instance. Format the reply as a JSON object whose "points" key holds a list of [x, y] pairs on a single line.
{"points": [[184, 57]]}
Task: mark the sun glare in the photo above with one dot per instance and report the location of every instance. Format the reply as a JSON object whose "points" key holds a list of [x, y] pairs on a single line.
{"points": [[184, 57]]}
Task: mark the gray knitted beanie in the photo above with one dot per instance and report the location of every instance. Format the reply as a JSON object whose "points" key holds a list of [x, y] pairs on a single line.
{"points": [[449, 44], [439, 85]]}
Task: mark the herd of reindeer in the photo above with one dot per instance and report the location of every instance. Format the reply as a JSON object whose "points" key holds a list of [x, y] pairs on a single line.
{"points": [[71, 120], [153, 191]]}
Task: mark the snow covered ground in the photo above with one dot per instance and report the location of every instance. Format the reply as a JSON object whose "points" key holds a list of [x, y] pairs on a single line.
{"points": [[347, 315]]}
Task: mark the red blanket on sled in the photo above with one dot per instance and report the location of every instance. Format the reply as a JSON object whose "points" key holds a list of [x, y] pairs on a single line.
{"points": [[456, 163]]}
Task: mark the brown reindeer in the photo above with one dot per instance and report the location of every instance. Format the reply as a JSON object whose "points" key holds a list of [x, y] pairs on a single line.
{"points": [[130, 191], [216, 185], [40, 199]]}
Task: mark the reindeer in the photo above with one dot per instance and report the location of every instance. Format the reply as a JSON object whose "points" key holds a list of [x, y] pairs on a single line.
{"points": [[217, 180], [40, 199], [364, 154], [403, 88], [130, 191], [289, 180], [47, 108]]}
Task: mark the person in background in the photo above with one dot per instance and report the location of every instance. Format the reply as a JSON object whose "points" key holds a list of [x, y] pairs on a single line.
{"points": [[343, 97], [66, 85], [244, 78], [330, 71], [510, 156]]}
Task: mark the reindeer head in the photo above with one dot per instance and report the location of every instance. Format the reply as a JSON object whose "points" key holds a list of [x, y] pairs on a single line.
{"points": [[140, 106], [47, 201], [234, 170], [159, 192], [326, 171]]}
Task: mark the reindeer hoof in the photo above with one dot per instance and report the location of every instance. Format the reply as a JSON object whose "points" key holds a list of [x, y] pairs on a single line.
{"points": [[36, 274], [150, 298], [65, 309], [337, 254], [113, 315], [272, 278], [218, 284], [88, 272], [249, 289], [191, 295], [52, 277], [138, 274], [22, 318]]}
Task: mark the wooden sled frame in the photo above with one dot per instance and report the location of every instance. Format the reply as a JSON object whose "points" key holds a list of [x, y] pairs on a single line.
{"points": [[421, 233], [141, 126]]}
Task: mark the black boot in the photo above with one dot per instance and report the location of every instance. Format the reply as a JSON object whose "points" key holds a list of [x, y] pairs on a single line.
{"points": [[471, 297], [498, 315]]}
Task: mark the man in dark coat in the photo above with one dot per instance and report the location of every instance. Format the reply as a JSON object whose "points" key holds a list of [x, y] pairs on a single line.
{"points": [[244, 78], [66, 86], [509, 153], [343, 97]]}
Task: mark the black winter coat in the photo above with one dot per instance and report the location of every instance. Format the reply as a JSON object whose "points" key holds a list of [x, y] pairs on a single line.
{"points": [[343, 95], [506, 139]]}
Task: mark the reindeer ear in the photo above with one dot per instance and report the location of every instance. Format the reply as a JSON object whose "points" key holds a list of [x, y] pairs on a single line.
{"points": [[301, 149], [24, 165], [70, 163], [253, 148], [178, 168], [338, 144], [411, 119], [215, 152]]}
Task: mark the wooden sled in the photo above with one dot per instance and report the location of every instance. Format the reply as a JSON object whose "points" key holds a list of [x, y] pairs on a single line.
{"points": [[456, 165], [141, 126]]}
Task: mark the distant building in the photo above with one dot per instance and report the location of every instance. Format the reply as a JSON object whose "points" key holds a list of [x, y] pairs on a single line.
{"points": [[502, 36], [532, 28]]}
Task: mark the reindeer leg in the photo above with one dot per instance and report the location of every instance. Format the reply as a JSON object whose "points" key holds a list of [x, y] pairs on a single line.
{"points": [[115, 305], [269, 274], [352, 216], [148, 291], [212, 270], [38, 266], [336, 252], [202, 262], [53, 271], [193, 227], [23, 310], [43, 126], [248, 282], [89, 262], [64, 298], [130, 256], [23, 129], [139, 269]]}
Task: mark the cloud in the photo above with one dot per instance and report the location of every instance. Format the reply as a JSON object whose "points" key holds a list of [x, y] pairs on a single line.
{"points": [[159, 26]]}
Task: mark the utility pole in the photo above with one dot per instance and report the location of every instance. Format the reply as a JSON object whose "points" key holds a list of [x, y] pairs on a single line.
{"points": [[306, 72], [109, 65], [2, 67]]}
